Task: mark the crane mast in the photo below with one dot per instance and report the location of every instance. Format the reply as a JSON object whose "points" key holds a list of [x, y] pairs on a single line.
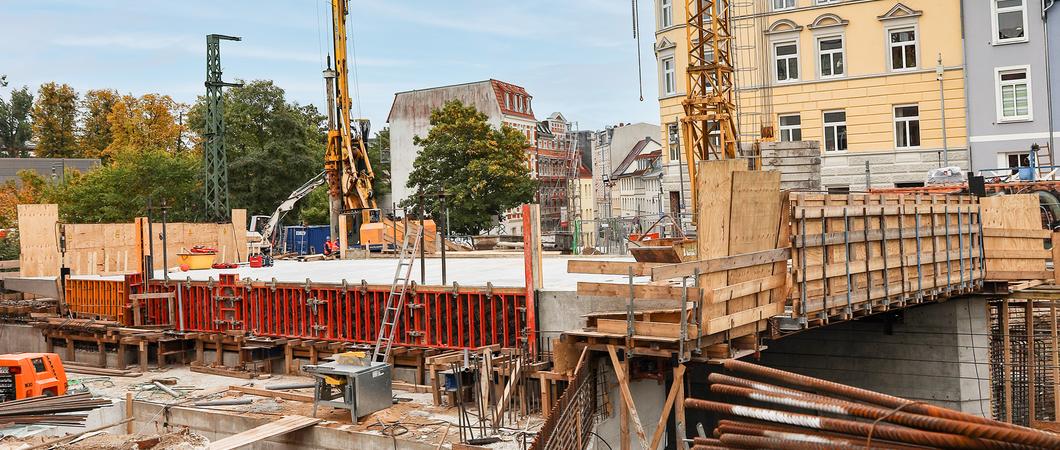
{"points": [[349, 172], [710, 104]]}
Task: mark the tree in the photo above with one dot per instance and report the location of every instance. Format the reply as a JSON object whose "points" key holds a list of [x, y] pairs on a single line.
{"points": [[316, 207], [146, 122], [482, 170], [118, 191], [274, 146], [54, 118], [29, 188], [96, 134], [16, 125], [379, 151]]}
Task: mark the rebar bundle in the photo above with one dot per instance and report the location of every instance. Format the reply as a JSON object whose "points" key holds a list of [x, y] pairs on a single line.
{"points": [[50, 410], [794, 411]]}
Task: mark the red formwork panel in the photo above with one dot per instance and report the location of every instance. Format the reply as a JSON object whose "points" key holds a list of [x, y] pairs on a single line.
{"points": [[434, 316]]}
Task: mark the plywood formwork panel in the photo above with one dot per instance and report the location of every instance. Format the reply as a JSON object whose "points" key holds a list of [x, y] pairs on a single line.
{"points": [[38, 239], [1012, 213]]}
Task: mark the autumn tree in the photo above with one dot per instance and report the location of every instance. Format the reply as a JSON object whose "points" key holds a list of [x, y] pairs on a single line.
{"points": [[54, 119], [95, 134], [150, 121], [29, 188], [482, 170], [274, 146], [16, 125]]}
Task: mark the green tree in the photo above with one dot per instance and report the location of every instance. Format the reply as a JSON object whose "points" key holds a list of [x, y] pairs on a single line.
{"points": [[315, 207], [96, 134], [273, 145], [379, 157], [118, 191], [16, 124], [482, 170], [54, 119]]}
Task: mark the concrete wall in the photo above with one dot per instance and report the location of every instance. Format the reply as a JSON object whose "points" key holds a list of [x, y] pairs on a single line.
{"points": [[887, 167], [988, 136], [648, 397], [45, 167], [559, 311], [936, 353], [16, 338]]}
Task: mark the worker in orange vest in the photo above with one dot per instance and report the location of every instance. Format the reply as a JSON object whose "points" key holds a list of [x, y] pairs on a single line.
{"points": [[329, 247]]}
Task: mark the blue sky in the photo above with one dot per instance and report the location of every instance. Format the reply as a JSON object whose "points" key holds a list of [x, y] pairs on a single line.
{"points": [[575, 56]]}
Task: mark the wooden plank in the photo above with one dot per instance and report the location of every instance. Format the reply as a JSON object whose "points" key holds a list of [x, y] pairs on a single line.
{"points": [[285, 425], [1015, 214], [152, 296], [724, 294], [840, 237], [713, 205], [508, 389], [10, 264], [292, 396], [38, 247], [1017, 275], [587, 266], [1017, 233], [707, 266], [719, 324], [627, 397], [643, 328], [640, 291], [660, 428]]}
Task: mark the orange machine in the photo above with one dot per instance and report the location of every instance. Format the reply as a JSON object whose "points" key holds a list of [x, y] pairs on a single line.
{"points": [[25, 375]]}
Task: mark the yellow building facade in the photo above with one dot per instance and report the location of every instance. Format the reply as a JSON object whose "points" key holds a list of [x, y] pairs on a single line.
{"points": [[861, 77]]}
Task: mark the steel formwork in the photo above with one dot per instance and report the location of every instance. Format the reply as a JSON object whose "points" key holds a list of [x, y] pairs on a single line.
{"points": [[450, 317]]}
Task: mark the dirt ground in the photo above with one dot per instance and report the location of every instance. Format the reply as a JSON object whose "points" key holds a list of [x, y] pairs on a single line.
{"points": [[413, 417]]}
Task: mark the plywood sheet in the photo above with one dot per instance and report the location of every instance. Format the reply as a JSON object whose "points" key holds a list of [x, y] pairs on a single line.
{"points": [[38, 240], [1012, 212]]}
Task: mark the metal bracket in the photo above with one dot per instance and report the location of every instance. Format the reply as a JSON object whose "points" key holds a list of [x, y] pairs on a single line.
{"points": [[308, 285], [489, 289], [455, 292], [272, 285], [415, 333], [210, 283], [364, 287]]}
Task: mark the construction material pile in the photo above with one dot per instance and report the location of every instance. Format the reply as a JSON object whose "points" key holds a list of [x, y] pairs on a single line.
{"points": [[800, 412], [50, 410]]}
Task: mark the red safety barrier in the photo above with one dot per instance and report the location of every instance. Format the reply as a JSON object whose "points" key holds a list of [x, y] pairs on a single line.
{"points": [[434, 317]]}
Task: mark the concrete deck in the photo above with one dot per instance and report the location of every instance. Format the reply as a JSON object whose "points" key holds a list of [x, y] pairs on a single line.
{"points": [[501, 271]]}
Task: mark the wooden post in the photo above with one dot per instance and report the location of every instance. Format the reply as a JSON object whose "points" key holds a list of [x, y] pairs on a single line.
{"points": [[436, 390], [102, 352], [219, 350], [623, 388], [70, 356], [288, 359], [660, 428], [143, 356], [200, 350], [1006, 372], [532, 266], [680, 416], [1056, 258], [546, 397], [1056, 358], [128, 412], [122, 357], [1032, 389], [623, 429]]}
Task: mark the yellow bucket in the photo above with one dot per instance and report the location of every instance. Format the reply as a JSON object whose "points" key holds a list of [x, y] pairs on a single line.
{"points": [[196, 261]]}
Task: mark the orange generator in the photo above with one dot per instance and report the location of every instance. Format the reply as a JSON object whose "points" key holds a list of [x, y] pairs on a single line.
{"points": [[25, 375]]}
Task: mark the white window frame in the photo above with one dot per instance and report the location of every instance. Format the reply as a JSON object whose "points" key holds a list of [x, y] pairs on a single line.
{"points": [[890, 46], [842, 52], [773, 5], [666, 13], [999, 105], [797, 56], [825, 2], [996, 28], [905, 123], [824, 128], [669, 76], [788, 128], [673, 141]]}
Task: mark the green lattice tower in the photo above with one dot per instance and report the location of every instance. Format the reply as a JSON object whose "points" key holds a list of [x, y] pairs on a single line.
{"points": [[215, 156]]}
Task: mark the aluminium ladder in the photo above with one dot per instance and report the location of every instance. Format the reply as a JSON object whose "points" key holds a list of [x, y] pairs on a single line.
{"points": [[395, 301]]}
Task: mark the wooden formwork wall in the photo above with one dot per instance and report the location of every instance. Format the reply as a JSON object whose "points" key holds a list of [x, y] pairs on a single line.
{"points": [[862, 253], [1013, 238], [115, 248]]}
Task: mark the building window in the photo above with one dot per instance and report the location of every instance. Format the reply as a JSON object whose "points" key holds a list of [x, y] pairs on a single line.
{"points": [[1018, 160], [790, 128], [830, 50], [907, 126], [903, 48], [674, 140], [783, 4], [835, 131], [1014, 99], [825, 2], [1009, 19], [666, 12], [786, 55], [669, 76]]}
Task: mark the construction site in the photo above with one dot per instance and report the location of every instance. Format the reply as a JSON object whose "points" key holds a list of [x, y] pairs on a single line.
{"points": [[760, 305]]}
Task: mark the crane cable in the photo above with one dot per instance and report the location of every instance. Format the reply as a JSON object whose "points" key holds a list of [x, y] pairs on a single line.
{"points": [[636, 35]]}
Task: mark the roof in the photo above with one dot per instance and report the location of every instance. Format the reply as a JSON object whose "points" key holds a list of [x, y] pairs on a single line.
{"points": [[499, 88], [543, 129], [632, 156], [583, 172]]}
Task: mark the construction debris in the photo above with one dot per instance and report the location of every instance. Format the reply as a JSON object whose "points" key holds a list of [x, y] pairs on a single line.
{"points": [[50, 410]]}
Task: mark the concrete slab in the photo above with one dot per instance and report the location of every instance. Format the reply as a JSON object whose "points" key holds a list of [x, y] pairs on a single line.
{"points": [[501, 271], [42, 286]]}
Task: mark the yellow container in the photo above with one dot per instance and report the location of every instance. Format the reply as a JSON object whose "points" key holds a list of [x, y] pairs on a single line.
{"points": [[196, 261]]}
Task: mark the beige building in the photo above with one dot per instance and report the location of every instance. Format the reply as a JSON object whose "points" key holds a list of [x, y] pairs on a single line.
{"points": [[859, 76]]}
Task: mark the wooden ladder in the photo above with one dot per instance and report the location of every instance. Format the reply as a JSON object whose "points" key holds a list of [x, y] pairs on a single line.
{"points": [[395, 301]]}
